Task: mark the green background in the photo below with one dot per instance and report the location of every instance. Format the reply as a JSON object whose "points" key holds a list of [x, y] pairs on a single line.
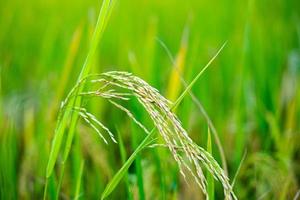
{"points": [[251, 92]]}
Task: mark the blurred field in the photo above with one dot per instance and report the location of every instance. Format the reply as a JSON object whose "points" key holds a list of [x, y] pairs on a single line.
{"points": [[250, 92]]}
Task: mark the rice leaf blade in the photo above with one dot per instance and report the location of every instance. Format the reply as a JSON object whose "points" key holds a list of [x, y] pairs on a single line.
{"points": [[103, 17], [210, 178], [119, 175]]}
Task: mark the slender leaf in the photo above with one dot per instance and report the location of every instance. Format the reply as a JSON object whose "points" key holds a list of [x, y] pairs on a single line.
{"points": [[210, 178]]}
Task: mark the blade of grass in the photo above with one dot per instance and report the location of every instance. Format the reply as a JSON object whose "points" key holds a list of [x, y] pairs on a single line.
{"points": [[60, 182], [119, 175], [200, 107], [78, 181], [189, 87], [123, 158], [56, 143], [103, 17], [210, 178], [52, 187], [138, 165], [239, 168]]}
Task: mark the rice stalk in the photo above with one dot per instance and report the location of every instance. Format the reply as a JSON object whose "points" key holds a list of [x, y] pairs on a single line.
{"points": [[188, 155]]}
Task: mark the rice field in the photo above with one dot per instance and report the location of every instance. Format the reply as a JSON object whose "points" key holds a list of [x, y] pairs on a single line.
{"points": [[135, 99]]}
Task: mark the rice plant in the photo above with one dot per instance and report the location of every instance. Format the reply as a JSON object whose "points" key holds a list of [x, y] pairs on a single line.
{"points": [[165, 121], [131, 99], [175, 137]]}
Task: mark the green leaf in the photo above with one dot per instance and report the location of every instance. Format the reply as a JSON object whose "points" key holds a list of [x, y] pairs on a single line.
{"points": [[78, 181], [123, 158], [102, 21], [210, 178], [119, 175]]}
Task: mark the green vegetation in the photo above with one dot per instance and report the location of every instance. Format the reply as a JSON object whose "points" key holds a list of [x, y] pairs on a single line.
{"points": [[128, 99]]}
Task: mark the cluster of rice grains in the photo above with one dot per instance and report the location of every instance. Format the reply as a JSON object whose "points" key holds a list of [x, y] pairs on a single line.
{"points": [[121, 86]]}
